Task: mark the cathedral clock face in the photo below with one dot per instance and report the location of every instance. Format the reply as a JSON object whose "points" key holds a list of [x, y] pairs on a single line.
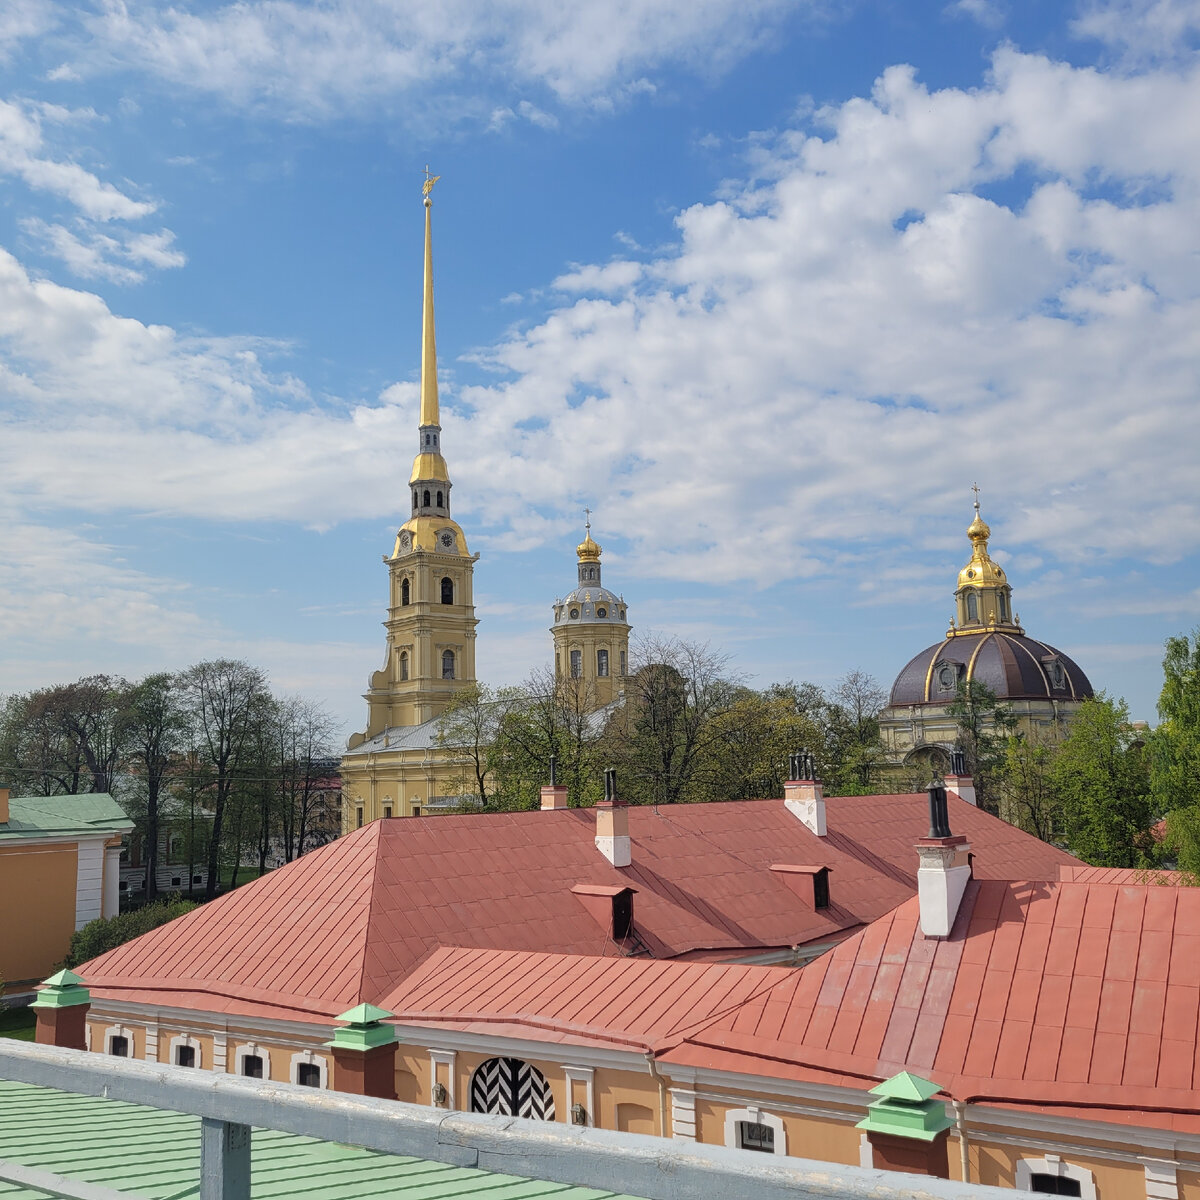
{"points": [[406, 541], [447, 540]]}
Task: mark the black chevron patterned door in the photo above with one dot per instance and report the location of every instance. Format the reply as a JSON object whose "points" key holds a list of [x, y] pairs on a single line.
{"points": [[513, 1088]]}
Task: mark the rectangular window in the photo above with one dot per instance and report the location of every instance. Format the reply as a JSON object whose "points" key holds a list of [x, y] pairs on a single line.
{"points": [[622, 662], [387, 810], [252, 1066], [358, 818], [601, 663], [185, 1056], [576, 663], [118, 1046], [1055, 1185], [753, 1136], [308, 1075], [416, 810]]}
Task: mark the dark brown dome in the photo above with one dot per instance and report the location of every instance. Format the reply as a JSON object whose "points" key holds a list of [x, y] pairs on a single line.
{"points": [[1013, 666]]}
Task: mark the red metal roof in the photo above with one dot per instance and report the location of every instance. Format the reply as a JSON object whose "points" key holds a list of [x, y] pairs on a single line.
{"points": [[346, 923], [1071, 996], [571, 997]]}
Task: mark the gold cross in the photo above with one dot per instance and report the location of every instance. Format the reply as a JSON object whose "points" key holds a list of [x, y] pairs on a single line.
{"points": [[588, 523], [975, 489]]}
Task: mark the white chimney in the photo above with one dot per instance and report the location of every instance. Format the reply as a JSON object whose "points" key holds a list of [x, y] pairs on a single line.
{"points": [[612, 824], [802, 794], [944, 872]]}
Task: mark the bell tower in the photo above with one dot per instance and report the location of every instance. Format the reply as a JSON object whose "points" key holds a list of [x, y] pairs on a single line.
{"points": [[591, 633], [431, 610]]}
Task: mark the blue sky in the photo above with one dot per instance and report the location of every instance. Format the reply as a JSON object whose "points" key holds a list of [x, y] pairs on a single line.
{"points": [[767, 285]]}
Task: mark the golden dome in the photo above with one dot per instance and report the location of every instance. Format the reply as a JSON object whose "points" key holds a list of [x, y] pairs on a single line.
{"points": [[588, 550]]}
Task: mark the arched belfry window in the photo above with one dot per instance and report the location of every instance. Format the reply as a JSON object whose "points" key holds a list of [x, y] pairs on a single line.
{"points": [[416, 502], [601, 663], [513, 1088], [576, 663], [403, 664], [972, 607], [439, 498], [1003, 607], [447, 590], [427, 439], [426, 497], [447, 664], [404, 591]]}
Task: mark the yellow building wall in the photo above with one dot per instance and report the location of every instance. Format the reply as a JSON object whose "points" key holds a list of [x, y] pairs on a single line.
{"points": [[99, 1026], [37, 909], [405, 780]]}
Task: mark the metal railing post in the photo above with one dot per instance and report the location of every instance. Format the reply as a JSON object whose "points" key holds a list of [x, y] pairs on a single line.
{"points": [[224, 1160]]}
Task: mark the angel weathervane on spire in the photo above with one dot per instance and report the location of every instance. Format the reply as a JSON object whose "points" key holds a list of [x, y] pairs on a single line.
{"points": [[430, 180]]}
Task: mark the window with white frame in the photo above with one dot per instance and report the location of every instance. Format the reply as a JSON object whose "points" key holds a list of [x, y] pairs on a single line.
{"points": [[310, 1070], [185, 1052], [252, 1060], [753, 1129], [1054, 1177], [118, 1040]]}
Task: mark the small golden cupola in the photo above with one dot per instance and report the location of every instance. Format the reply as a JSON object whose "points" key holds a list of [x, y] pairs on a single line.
{"points": [[983, 596]]}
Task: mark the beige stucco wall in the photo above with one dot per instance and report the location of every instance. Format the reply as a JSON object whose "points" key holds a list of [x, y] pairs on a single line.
{"points": [[37, 909]]}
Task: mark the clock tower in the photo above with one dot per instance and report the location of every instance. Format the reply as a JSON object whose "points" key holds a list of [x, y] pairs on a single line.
{"points": [[430, 620]]}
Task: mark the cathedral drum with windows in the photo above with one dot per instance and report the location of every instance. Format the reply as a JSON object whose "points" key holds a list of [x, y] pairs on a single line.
{"points": [[1041, 686], [591, 633]]}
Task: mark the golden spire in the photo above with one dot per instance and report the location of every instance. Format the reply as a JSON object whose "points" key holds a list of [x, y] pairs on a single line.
{"points": [[588, 550], [429, 387]]}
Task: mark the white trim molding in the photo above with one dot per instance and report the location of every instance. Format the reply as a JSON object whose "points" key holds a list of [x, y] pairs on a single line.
{"points": [[1161, 1178], [1052, 1164], [308, 1058], [251, 1050], [683, 1114], [124, 1031], [586, 1076], [185, 1039], [444, 1058], [756, 1116]]}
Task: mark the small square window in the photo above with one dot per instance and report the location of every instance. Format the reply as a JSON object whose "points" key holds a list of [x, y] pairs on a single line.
{"points": [[308, 1075], [176, 880], [1054, 1185], [118, 1046], [252, 1066], [185, 1056], [754, 1136]]}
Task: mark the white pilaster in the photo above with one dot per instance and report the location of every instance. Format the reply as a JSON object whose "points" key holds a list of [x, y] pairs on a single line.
{"points": [[111, 902]]}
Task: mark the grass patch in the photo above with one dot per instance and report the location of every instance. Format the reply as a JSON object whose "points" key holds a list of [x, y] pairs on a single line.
{"points": [[18, 1023]]}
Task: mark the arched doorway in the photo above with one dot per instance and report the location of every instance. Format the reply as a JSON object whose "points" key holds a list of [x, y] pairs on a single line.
{"points": [[513, 1088]]}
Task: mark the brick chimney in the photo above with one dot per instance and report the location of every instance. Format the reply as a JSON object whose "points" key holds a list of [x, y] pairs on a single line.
{"points": [[944, 871], [612, 824], [802, 794], [4, 805], [62, 1007], [958, 782], [554, 795], [364, 1053], [906, 1128]]}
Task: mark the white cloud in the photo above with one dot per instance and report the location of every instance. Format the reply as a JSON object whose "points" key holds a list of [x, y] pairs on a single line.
{"points": [[805, 385], [304, 61], [104, 256], [21, 20], [23, 154], [1145, 30]]}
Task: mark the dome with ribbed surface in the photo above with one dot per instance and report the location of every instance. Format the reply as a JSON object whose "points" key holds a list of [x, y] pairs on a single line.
{"points": [[1015, 667]]}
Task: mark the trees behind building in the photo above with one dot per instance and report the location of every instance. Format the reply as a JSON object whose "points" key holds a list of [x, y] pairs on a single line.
{"points": [[207, 757]]}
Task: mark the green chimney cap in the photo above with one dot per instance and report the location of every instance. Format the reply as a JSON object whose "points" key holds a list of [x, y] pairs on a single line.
{"points": [[62, 990], [364, 1014], [63, 978], [907, 1086]]}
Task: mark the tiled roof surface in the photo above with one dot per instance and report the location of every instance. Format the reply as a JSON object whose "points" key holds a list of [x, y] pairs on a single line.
{"points": [[95, 814], [1072, 995], [155, 1154], [572, 998], [348, 922]]}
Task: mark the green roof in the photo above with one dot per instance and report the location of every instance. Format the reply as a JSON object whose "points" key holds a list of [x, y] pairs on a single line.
{"points": [[95, 814], [155, 1154]]}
